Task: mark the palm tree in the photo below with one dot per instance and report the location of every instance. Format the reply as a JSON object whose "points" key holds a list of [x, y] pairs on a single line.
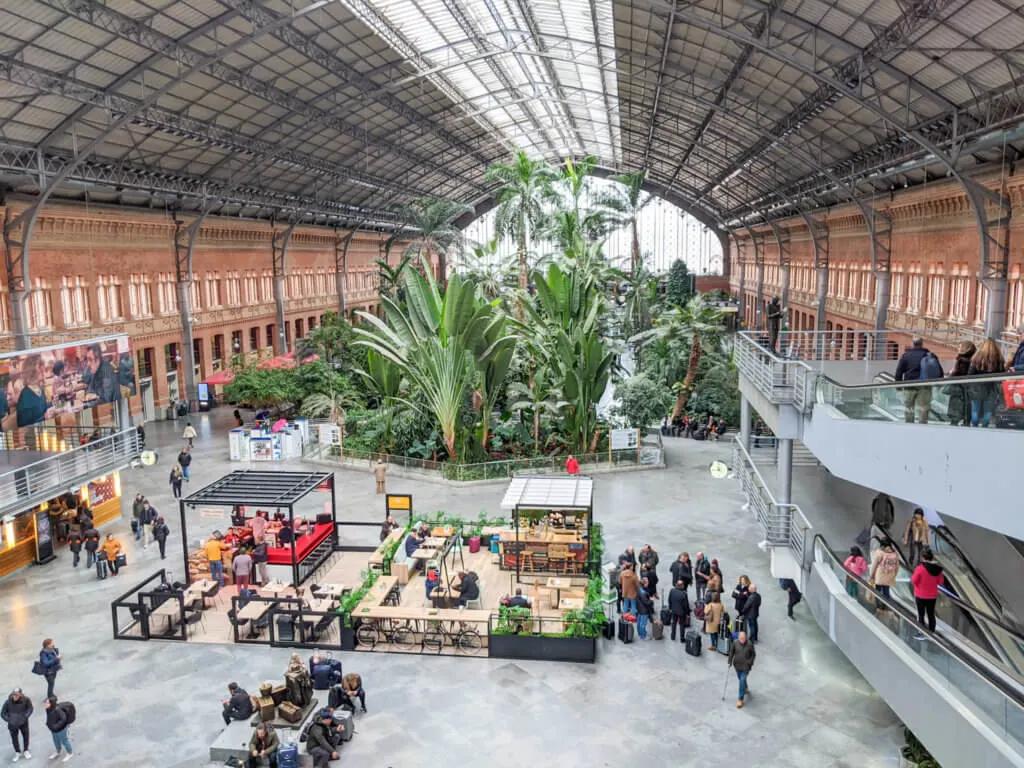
{"points": [[435, 340], [623, 206], [488, 269], [390, 282], [523, 195], [428, 222], [695, 323]]}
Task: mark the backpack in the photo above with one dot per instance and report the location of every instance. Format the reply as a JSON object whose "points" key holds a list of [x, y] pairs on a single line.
{"points": [[69, 711], [890, 563], [931, 368]]}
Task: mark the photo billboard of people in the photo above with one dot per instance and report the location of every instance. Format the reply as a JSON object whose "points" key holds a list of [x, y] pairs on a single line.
{"points": [[43, 384]]}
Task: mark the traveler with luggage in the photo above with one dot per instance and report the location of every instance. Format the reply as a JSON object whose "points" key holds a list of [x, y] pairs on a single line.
{"points": [[91, 542], [320, 742], [741, 658], [630, 588], [16, 712], [49, 664], [679, 605], [238, 706], [137, 507], [352, 688], [59, 717], [263, 744], [752, 611], [111, 549], [701, 573], [149, 516], [713, 619], [644, 610], [682, 570]]}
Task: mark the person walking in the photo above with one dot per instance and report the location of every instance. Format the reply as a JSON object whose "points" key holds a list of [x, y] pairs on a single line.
{"points": [[572, 466], [215, 549], [984, 395], [189, 433], [927, 578], [885, 565], [137, 507], [185, 462], [682, 570], [644, 609], [752, 611], [112, 548], [49, 664], [679, 605], [160, 534], [741, 658], [176, 480], [917, 536], [58, 721], [91, 539], [630, 588], [15, 712], [380, 470], [916, 400], [75, 545], [701, 573], [713, 619], [149, 516]]}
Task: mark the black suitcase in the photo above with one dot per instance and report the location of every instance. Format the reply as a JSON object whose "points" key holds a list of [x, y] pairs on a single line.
{"points": [[666, 617], [626, 631], [693, 642], [609, 630], [101, 569], [286, 629]]}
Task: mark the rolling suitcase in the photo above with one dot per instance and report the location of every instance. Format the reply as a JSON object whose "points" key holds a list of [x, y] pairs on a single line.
{"points": [[626, 631], [288, 756], [666, 615], [693, 643], [348, 724], [101, 569], [609, 630], [657, 628]]}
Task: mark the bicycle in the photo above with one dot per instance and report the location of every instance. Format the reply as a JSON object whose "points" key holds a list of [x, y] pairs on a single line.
{"points": [[369, 632], [463, 641]]}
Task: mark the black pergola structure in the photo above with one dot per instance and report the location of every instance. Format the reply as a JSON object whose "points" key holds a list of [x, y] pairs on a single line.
{"points": [[270, 491]]}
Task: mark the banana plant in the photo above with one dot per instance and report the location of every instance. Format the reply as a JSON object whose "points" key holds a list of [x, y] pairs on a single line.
{"points": [[384, 379], [540, 396]]}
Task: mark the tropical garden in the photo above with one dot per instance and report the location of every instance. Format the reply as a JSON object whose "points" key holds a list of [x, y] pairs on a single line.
{"points": [[480, 357]]}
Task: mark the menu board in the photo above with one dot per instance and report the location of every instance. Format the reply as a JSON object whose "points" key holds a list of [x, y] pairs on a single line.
{"points": [[44, 537]]}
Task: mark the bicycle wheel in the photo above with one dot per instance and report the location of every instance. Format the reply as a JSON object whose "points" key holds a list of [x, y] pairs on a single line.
{"points": [[366, 635], [433, 640], [469, 641], [403, 636]]}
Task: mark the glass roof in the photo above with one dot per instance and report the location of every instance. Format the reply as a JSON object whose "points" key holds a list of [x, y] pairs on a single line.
{"points": [[540, 74]]}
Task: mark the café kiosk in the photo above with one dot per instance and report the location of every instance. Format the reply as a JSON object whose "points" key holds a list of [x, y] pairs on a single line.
{"points": [[552, 517]]}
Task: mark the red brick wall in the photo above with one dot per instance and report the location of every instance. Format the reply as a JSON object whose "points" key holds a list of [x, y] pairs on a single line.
{"points": [[706, 283]]}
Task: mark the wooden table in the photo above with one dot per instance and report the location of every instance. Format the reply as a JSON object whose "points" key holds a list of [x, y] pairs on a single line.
{"points": [[331, 590], [571, 603], [169, 609], [254, 610], [196, 589], [274, 588], [321, 606], [432, 542], [558, 585], [423, 554]]}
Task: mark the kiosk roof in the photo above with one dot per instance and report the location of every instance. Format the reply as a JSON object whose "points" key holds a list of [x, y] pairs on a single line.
{"points": [[258, 489], [567, 492]]}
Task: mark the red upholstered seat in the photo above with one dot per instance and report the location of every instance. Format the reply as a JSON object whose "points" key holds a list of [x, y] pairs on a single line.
{"points": [[303, 546]]}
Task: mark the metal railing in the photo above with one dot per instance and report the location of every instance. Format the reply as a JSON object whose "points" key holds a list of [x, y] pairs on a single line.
{"points": [[26, 485], [51, 438], [784, 525]]}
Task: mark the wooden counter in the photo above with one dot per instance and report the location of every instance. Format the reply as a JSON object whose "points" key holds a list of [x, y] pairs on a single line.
{"points": [[546, 551]]}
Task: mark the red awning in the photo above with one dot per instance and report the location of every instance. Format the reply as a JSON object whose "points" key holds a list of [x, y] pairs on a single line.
{"points": [[220, 378]]}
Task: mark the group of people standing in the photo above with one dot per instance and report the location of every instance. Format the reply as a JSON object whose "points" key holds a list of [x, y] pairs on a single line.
{"points": [[17, 709]]}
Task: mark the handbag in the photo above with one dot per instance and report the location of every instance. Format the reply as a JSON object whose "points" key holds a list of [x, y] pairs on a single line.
{"points": [[1013, 394], [135, 526], [121, 560], [37, 668]]}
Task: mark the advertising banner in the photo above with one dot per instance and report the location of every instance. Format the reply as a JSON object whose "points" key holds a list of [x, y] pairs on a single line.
{"points": [[39, 385]]}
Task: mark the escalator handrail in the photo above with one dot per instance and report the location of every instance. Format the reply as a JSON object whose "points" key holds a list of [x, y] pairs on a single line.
{"points": [[1010, 692], [973, 611], [947, 536], [978, 378]]}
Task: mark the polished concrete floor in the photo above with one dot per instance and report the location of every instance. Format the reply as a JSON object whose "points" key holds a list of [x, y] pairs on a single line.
{"points": [[157, 703]]}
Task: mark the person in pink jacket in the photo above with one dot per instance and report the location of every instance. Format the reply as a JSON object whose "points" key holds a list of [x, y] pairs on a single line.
{"points": [[927, 578], [858, 566]]}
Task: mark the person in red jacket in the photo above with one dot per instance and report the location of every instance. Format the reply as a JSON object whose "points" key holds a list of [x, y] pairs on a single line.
{"points": [[927, 578], [572, 466]]}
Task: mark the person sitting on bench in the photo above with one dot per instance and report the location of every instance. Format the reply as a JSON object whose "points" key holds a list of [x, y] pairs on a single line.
{"points": [[264, 743], [412, 542], [320, 742], [468, 586], [519, 601], [351, 689], [238, 707]]}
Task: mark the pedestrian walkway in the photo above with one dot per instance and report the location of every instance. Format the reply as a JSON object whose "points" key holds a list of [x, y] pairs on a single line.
{"points": [[156, 704]]}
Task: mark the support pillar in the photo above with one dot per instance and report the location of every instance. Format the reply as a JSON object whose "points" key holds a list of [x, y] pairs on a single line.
{"points": [[995, 311], [279, 250], [742, 308], [745, 423], [184, 247], [124, 415], [17, 236], [784, 466], [821, 299], [341, 269]]}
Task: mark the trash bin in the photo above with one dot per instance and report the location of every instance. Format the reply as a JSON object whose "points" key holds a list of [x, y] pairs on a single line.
{"points": [[474, 544]]}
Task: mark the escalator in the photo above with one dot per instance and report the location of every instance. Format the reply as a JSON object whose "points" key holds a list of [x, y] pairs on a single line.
{"points": [[963, 703], [859, 434], [969, 625], [977, 590]]}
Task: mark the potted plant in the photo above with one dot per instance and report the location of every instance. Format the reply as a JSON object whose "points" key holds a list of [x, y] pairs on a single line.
{"points": [[914, 754]]}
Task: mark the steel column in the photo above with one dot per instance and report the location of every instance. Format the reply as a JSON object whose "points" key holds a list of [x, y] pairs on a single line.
{"points": [[17, 237], [745, 423], [782, 238], [742, 309], [758, 240], [279, 250], [184, 247], [784, 462], [880, 230], [341, 269]]}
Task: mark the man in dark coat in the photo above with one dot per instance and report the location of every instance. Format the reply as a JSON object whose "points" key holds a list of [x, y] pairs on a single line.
{"points": [[752, 611], [238, 707], [16, 712], [320, 740], [679, 605], [773, 321]]}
